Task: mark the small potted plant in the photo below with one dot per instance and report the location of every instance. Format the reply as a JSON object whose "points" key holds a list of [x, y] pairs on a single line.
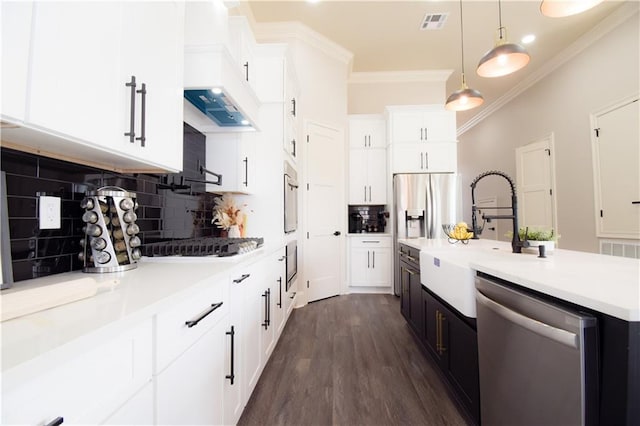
{"points": [[537, 237]]}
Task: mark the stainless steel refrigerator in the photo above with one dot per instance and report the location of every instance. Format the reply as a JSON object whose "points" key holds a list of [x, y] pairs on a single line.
{"points": [[422, 203]]}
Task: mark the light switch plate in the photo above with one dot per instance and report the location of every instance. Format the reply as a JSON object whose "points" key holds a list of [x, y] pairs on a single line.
{"points": [[49, 212]]}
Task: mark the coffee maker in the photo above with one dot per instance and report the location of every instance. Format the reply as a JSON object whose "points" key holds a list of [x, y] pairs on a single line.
{"points": [[355, 223]]}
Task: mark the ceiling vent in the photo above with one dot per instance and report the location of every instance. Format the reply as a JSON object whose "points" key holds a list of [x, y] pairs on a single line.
{"points": [[434, 21]]}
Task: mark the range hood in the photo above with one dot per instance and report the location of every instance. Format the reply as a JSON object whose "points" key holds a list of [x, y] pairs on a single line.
{"points": [[217, 98]]}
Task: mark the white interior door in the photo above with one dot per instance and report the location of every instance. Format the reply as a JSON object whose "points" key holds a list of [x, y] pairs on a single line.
{"points": [[535, 185], [617, 172], [324, 211]]}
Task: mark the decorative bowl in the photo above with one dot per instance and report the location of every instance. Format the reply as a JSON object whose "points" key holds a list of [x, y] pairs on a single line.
{"points": [[449, 232]]}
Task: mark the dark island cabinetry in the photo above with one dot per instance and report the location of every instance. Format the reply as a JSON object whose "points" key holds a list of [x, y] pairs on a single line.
{"points": [[447, 336]]}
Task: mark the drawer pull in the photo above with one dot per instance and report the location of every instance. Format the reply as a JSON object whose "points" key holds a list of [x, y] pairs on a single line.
{"points": [[372, 241], [232, 333], [56, 422], [413, 259], [203, 315], [242, 278]]}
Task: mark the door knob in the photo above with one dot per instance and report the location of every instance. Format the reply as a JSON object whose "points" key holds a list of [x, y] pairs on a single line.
{"points": [[336, 233]]}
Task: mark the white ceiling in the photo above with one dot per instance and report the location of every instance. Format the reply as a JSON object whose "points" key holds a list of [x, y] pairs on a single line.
{"points": [[386, 35]]}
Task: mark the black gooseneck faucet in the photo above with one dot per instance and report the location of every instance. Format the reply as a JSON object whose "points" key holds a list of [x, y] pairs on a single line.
{"points": [[516, 244]]}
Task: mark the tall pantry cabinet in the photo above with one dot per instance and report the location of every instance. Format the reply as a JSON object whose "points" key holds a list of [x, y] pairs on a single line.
{"points": [[367, 160]]}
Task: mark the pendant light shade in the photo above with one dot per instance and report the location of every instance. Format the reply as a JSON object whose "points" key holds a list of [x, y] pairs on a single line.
{"points": [[505, 58], [464, 98], [562, 8]]}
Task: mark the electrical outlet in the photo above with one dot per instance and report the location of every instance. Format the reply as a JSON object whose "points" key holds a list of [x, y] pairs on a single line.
{"points": [[49, 212]]}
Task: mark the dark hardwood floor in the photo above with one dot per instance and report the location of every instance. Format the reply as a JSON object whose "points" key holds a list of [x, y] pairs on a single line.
{"points": [[349, 360]]}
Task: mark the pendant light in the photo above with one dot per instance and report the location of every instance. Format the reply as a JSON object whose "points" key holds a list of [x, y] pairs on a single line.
{"points": [[562, 8], [505, 58], [464, 98]]}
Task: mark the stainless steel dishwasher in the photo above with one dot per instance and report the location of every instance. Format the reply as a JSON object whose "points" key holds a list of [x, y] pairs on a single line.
{"points": [[537, 359]]}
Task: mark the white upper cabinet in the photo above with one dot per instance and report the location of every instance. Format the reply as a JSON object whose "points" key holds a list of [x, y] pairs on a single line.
{"points": [[243, 46], [367, 131], [428, 123], [79, 95], [436, 157], [368, 176], [233, 156], [16, 36]]}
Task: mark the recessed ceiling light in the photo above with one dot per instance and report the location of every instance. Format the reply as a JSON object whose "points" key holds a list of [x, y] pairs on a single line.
{"points": [[245, 122], [529, 38], [216, 90], [313, 1]]}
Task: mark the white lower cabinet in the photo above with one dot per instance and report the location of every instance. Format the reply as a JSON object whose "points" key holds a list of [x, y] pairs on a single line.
{"points": [[279, 295], [190, 390], [190, 357], [84, 389], [138, 410], [370, 261]]}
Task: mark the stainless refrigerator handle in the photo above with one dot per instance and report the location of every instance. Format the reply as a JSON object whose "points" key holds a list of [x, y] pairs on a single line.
{"points": [[556, 334]]}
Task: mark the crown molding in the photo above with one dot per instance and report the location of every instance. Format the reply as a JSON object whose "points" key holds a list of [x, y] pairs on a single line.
{"points": [[626, 11], [266, 32], [435, 76]]}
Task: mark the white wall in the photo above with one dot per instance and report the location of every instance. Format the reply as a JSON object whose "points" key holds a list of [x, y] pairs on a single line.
{"points": [[603, 73], [372, 98]]}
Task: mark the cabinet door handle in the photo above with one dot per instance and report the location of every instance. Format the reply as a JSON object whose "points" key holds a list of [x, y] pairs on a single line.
{"points": [[635, 202], [426, 160], [132, 133], [280, 297], [368, 260], [365, 141], [246, 71], [232, 375], [369, 193], [438, 331], [56, 422], [242, 278], [373, 255], [421, 133], [268, 307], [203, 315], [246, 171], [422, 160], [143, 111], [293, 106], [265, 324], [293, 145], [365, 193], [425, 133]]}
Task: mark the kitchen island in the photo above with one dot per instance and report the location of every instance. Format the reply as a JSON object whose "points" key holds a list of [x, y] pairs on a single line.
{"points": [[604, 286]]}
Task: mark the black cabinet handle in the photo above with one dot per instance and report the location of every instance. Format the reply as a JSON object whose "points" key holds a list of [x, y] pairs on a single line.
{"points": [[426, 160], [421, 133], [56, 422], [336, 233], [203, 315], [421, 160], [280, 298], [425, 133], [293, 144], [373, 255], [368, 259], [246, 70], [232, 333], [293, 106], [132, 133], [143, 110], [635, 202], [268, 307], [246, 171], [242, 278], [265, 324]]}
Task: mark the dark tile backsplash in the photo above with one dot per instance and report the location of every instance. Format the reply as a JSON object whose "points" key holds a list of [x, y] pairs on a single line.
{"points": [[36, 253]]}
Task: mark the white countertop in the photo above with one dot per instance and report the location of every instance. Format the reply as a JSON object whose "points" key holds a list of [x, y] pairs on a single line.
{"points": [[124, 299], [606, 284]]}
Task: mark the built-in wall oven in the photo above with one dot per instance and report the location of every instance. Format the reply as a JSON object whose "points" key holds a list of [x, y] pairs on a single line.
{"points": [[291, 254], [290, 198]]}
